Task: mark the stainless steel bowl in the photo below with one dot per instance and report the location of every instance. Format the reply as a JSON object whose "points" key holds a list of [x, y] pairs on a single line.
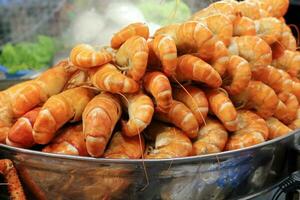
{"points": [[223, 175]]}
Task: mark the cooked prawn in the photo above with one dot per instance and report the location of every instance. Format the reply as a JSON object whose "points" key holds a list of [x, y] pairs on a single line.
{"points": [[140, 111], [134, 29], [212, 138], [269, 29], [222, 107], [276, 128], [243, 26], [286, 110], [287, 39], [277, 8], [132, 57], [296, 123], [288, 61], [252, 130], [85, 56]]}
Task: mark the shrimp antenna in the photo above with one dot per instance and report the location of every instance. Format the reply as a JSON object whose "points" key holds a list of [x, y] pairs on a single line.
{"points": [[194, 102]]}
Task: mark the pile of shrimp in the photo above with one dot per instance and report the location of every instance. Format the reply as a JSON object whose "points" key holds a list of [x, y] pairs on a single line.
{"points": [[225, 79]]}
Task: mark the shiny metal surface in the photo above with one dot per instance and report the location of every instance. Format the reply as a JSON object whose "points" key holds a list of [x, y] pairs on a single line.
{"points": [[232, 175]]}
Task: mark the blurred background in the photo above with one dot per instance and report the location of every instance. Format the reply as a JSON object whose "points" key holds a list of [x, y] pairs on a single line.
{"points": [[34, 34]]}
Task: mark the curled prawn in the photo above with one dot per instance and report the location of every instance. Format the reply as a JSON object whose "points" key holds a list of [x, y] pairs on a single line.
{"points": [[286, 110], [243, 26], [269, 29], [182, 117], [158, 85], [296, 123], [193, 68], [277, 8], [109, 78], [170, 142], [125, 147], [287, 39], [85, 56], [134, 29], [252, 48], [288, 61], [276, 128], [222, 107], [132, 57], [260, 97], [252, 130], [140, 111], [238, 75], [195, 99], [212, 138]]}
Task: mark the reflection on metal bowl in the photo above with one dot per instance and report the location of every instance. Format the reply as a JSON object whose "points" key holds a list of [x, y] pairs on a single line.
{"points": [[216, 176]]}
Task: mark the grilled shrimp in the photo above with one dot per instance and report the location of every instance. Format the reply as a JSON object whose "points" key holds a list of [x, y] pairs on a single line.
{"points": [[134, 29], [182, 117], [269, 29], [288, 61], [276, 128], [165, 49], [260, 97], [132, 57], [99, 119], [58, 110], [195, 99], [170, 142], [21, 98], [296, 123], [70, 141], [109, 78], [252, 130], [193, 68], [239, 72], [158, 85], [85, 56], [252, 48], [20, 134], [286, 110], [140, 111], [125, 147], [223, 108], [211, 138]]}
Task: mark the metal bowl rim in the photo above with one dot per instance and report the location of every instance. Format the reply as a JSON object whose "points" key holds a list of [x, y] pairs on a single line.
{"points": [[138, 161]]}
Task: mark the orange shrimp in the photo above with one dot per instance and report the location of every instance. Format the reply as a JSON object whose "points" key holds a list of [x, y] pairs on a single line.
{"points": [[243, 26], [21, 98], [170, 142], [182, 117], [252, 130], [288, 61], [269, 29], [85, 56], [248, 9], [109, 78], [212, 138], [193, 68], [134, 29], [252, 48], [286, 110], [276, 128], [195, 99], [158, 85], [99, 119], [287, 39], [70, 141], [296, 123], [20, 134], [223, 108], [260, 97], [277, 8], [165, 49], [132, 57], [140, 111], [58, 110], [239, 75], [125, 147]]}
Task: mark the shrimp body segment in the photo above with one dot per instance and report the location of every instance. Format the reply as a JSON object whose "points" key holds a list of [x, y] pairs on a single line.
{"points": [[276, 128]]}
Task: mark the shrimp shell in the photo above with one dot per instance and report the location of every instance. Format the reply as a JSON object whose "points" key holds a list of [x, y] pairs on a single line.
{"points": [[286, 110], [132, 56], [287, 39], [125, 147], [296, 123], [288, 61], [195, 99], [212, 138], [252, 130], [276, 128], [134, 29], [243, 26], [269, 29], [223, 108]]}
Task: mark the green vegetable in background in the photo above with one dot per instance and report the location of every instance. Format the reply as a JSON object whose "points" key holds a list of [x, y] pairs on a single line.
{"points": [[28, 55], [165, 12]]}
